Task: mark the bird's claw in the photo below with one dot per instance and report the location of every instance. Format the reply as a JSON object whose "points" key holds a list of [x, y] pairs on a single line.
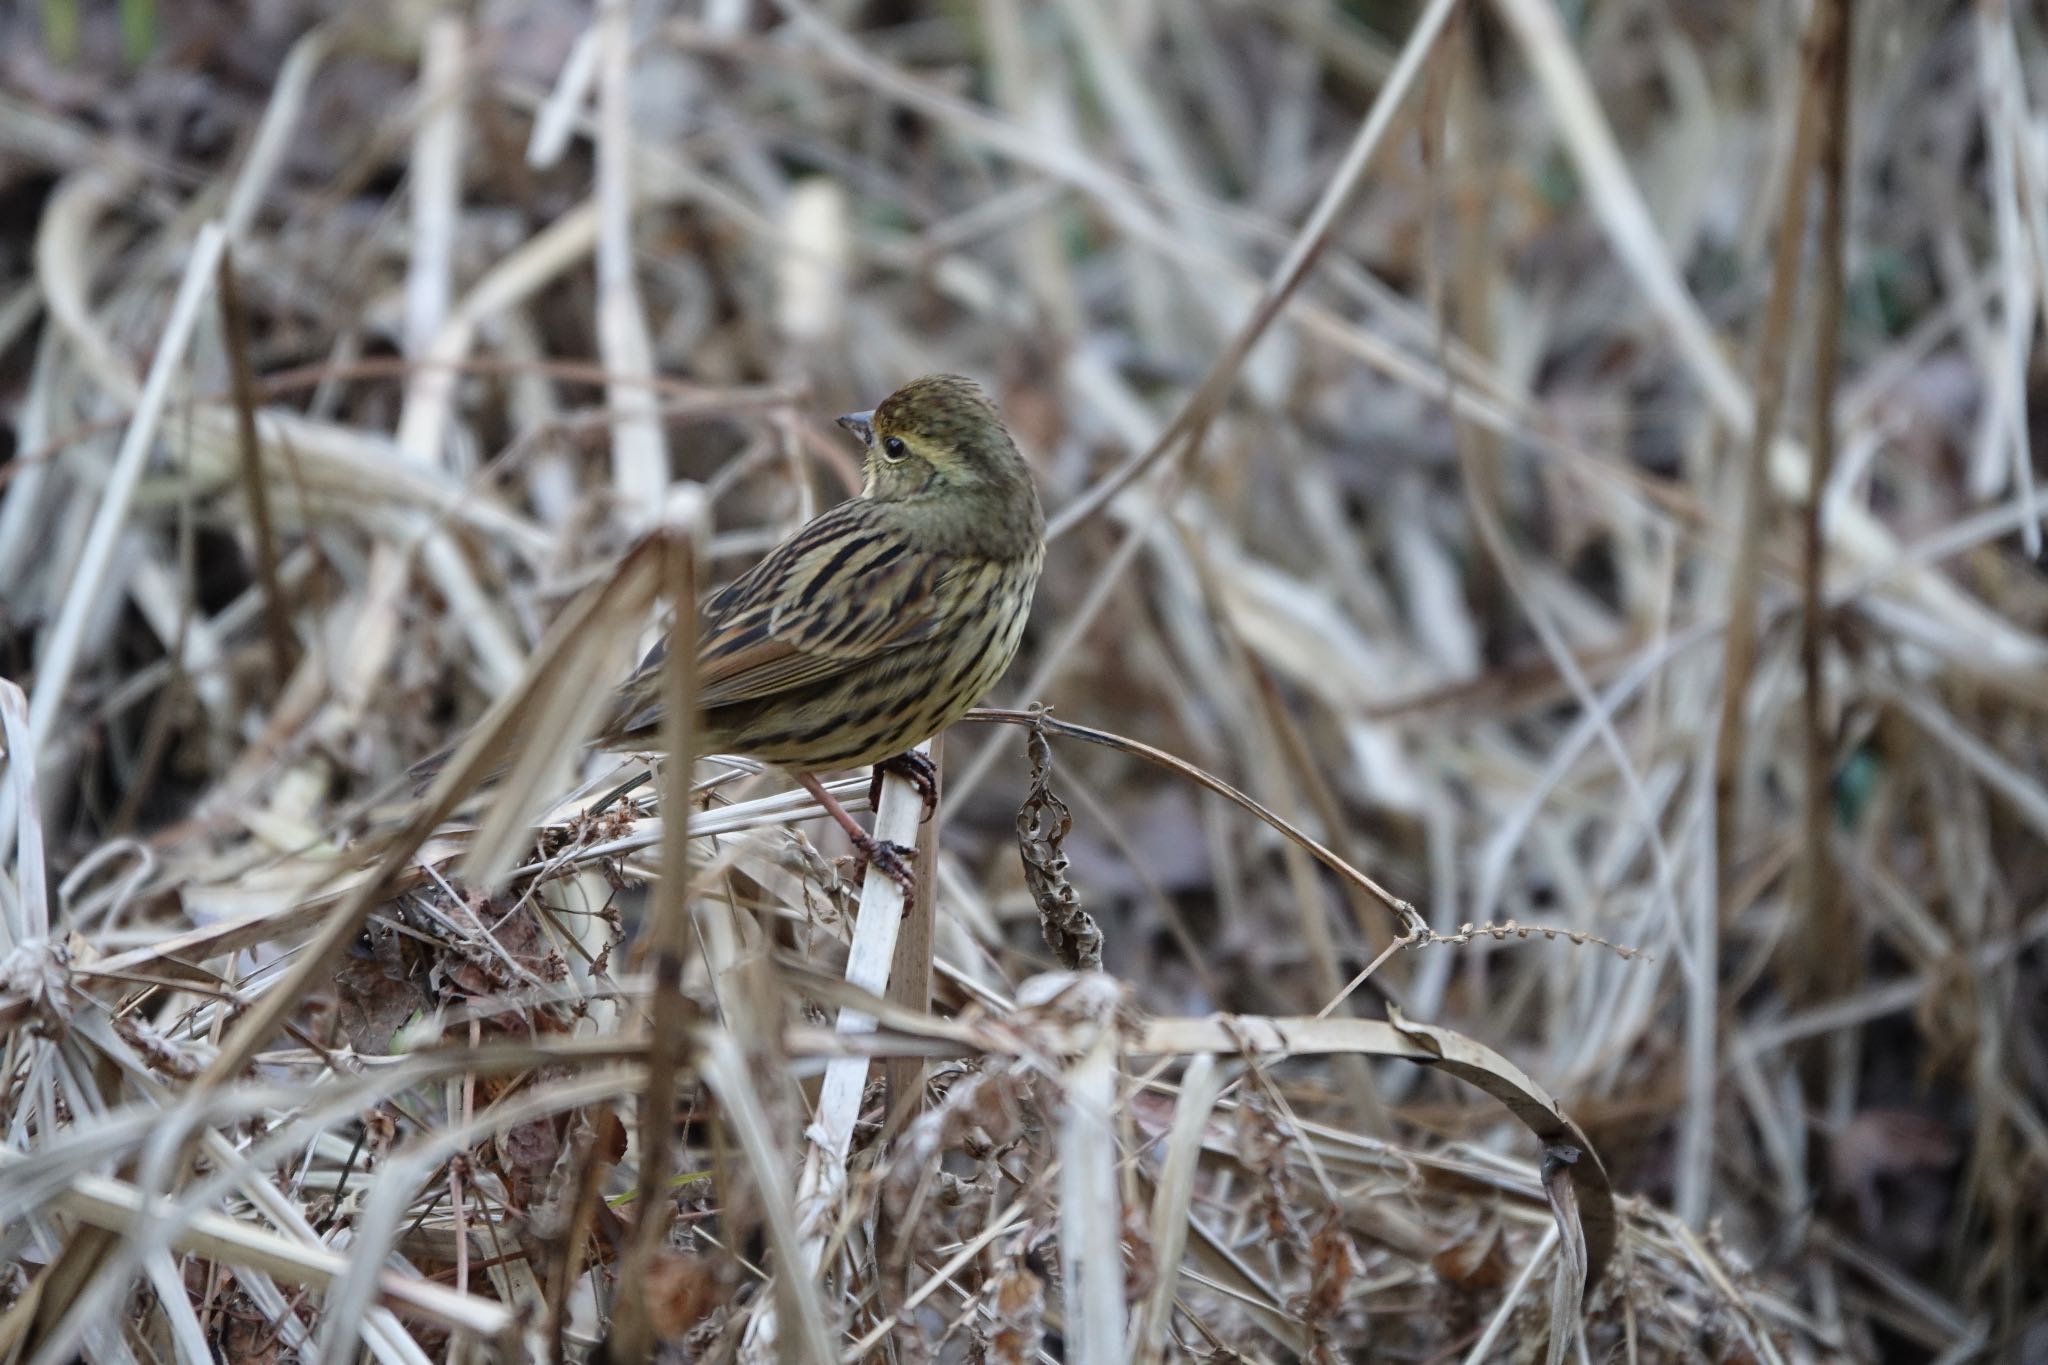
{"points": [[892, 860], [914, 768]]}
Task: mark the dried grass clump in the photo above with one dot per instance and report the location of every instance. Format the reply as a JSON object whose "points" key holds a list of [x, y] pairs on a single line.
{"points": [[1545, 601]]}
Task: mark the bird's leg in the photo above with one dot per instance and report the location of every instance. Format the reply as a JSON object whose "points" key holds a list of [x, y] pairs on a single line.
{"points": [[915, 768], [893, 859]]}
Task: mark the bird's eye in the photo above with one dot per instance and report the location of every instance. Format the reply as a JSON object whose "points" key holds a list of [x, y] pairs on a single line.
{"points": [[894, 448]]}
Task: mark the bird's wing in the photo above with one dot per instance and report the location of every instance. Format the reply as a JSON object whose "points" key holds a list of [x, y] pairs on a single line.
{"points": [[848, 586]]}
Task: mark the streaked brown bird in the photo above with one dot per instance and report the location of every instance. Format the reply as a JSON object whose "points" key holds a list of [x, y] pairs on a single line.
{"points": [[879, 622]]}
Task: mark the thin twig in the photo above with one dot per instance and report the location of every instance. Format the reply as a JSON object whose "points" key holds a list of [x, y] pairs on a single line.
{"points": [[1739, 650], [1830, 930], [1413, 926], [276, 622]]}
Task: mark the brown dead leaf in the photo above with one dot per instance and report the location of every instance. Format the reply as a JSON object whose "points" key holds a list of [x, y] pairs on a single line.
{"points": [[376, 991], [1476, 1262], [1333, 1265], [527, 1153], [1017, 1300], [681, 1291]]}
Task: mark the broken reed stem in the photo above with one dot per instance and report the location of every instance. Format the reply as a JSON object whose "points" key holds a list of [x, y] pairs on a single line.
{"points": [[821, 1188], [910, 973], [1746, 579], [1828, 927], [667, 926], [1090, 1210]]}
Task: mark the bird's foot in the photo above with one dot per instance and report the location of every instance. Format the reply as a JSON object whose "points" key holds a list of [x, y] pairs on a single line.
{"points": [[892, 860], [914, 768]]}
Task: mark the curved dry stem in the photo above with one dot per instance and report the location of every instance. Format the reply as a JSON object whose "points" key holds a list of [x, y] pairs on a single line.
{"points": [[1413, 927]]}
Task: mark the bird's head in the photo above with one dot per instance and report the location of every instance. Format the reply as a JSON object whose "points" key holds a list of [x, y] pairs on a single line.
{"points": [[939, 436]]}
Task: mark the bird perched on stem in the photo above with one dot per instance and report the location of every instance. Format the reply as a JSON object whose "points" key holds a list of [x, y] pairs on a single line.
{"points": [[879, 622]]}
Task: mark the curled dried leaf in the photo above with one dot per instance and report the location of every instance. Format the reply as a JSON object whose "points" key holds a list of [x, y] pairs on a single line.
{"points": [[1043, 823], [1334, 1264]]}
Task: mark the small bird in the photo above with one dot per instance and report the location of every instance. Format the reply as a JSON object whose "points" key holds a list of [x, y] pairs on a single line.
{"points": [[879, 622]]}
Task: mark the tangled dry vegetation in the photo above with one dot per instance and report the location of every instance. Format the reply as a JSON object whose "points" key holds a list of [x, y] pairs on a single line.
{"points": [[1427, 398]]}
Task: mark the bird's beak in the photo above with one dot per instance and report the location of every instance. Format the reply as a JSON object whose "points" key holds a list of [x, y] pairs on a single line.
{"points": [[859, 423]]}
